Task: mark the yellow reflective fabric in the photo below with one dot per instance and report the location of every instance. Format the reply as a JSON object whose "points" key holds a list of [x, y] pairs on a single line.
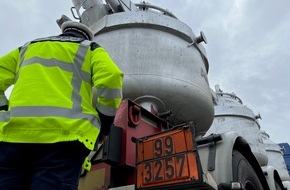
{"points": [[52, 49], [50, 130], [52, 96], [45, 90], [102, 79], [8, 68]]}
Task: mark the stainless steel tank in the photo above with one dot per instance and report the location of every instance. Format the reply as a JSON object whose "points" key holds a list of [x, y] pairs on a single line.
{"points": [[232, 115], [164, 63], [275, 156]]}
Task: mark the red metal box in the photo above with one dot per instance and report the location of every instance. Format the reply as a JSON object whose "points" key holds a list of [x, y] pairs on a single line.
{"points": [[136, 122]]}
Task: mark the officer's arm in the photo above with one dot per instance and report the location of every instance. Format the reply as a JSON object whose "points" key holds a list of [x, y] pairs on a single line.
{"points": [[8, 68], [107, 80]]}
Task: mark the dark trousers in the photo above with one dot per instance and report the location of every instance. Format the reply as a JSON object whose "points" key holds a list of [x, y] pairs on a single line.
{"points": [[54, 166]]}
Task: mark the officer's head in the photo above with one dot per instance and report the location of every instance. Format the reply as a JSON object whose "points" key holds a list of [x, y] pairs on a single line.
{"points": [[76, 29]]}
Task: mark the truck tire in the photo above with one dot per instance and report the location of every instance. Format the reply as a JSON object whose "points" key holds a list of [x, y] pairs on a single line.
{"points": [[244, 173]]}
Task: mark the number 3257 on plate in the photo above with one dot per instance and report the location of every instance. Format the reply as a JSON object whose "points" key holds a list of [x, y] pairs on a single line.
{"points": [[167, 159]]}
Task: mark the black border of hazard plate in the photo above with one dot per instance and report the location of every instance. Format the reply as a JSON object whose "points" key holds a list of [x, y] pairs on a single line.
{"points": [[168, 161]]}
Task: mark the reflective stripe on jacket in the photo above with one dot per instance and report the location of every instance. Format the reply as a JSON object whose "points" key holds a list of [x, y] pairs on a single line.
{"points": [[52, 96]]}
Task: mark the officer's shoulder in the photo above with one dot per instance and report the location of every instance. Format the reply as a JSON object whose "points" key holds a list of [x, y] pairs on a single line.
{"points": [[60, 38], [94, 46]]}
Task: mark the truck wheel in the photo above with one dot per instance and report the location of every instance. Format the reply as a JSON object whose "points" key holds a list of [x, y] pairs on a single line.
{"points": [[244, 173]]}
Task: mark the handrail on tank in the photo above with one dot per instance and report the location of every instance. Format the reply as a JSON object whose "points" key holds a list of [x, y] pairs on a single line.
{"points": [[231, 95], [146, 5]]}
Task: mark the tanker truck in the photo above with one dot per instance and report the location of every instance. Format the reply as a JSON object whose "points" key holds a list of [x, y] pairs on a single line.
{"points": [[172, 131]]}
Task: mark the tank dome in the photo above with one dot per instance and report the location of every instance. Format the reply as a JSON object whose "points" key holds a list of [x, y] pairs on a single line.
{"points": [[164, 63]]}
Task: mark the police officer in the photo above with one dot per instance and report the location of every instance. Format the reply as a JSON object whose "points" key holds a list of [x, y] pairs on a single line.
{"points": [[50, 124]]}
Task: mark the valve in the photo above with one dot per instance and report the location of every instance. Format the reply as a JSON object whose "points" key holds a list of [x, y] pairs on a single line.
{"points": [[201, 38]]}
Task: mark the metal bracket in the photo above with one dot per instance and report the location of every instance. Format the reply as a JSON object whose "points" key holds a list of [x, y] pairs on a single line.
{"points": [[211, 156], [234, 185], [211, 140]]}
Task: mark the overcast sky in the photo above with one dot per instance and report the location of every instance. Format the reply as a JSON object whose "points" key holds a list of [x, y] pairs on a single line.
{"points": [[248, 46]]}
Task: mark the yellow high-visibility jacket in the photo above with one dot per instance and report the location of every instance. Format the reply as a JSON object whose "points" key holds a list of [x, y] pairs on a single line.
{"points": [[52, 96]]}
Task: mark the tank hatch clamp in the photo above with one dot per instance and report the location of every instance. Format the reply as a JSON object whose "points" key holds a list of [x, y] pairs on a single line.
{"points": [[211, 140]]}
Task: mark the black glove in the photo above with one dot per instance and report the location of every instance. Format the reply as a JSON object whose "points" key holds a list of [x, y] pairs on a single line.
{"points": [[106, 123], [4, 107]]}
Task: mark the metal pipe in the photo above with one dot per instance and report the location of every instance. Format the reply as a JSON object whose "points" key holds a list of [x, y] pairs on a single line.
{"points": [[146, 6], [85, 4], [115, 5]]}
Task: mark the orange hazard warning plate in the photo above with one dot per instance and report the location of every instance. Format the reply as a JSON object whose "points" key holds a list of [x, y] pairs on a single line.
{"points": [[166, 159]]}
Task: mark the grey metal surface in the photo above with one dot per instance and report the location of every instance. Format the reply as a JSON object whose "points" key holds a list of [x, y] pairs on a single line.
{"points": [[162, 62], [232, 115], [275, 156], [88, 11]]}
